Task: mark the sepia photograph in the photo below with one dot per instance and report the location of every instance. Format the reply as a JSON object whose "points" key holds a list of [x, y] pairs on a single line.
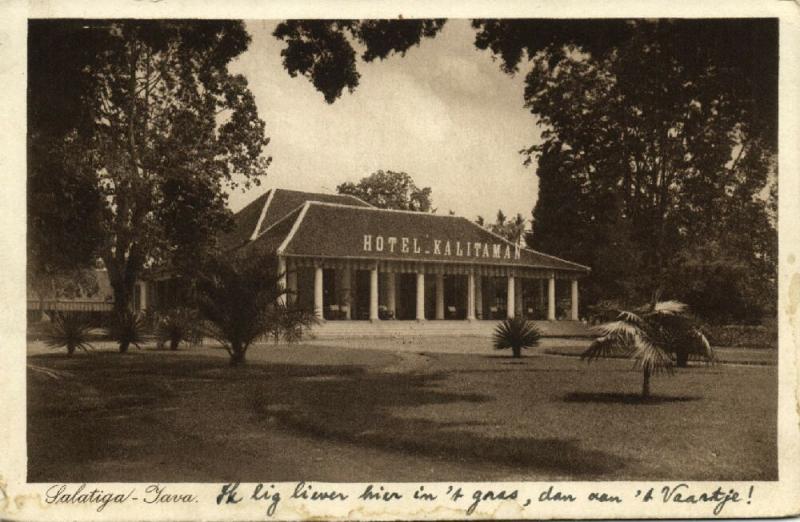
{"points": [[332, 250]]}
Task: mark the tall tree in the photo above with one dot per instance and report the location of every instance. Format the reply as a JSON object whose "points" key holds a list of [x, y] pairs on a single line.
{"points": [[158, 125], [390, 189], [661, 155]]}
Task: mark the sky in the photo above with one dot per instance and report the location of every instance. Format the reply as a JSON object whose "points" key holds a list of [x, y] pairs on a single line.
{"points": [[444, 113]]}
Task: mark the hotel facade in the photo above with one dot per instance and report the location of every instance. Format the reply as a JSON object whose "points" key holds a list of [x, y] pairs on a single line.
{"points": [[349, 261]]}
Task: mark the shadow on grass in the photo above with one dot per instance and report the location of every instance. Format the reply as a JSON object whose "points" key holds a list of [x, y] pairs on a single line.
{"points": [[334, 403], [368, 410], [625, 398]]}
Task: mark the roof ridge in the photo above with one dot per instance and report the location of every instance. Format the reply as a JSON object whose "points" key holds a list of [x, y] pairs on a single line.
{"points": [[281, 220], [295, 226], [270, 195], [358, 199], [371, 207]]}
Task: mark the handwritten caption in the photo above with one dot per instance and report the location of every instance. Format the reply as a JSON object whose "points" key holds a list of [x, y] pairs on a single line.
{"points": [[473, 498], [465, 498]]}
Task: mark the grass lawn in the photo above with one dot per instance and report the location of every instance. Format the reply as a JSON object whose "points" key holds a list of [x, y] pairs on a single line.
{"points": [[329, 413]]}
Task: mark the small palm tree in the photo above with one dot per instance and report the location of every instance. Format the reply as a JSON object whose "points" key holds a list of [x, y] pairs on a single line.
{"points": [[289, 323], [235, 294], [128, 328], [178, 324], [658, 337], [70, 331], [516, 333]]}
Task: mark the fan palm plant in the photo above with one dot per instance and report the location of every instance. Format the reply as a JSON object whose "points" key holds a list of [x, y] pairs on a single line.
{"points": [[175, 326], [234, 296], [658, 337], [70, 331], [516, 333], [128, 328]]}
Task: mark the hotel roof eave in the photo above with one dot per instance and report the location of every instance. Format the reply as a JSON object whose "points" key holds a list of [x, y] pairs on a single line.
{"points": [[575, 267], [435, 261]]}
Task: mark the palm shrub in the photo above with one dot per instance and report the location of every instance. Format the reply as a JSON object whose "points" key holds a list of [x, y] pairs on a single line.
{"points": [[516, 333], [175, 326], [234, 294], [289, 323], [128, 328], [68, 330], [657, 337]]}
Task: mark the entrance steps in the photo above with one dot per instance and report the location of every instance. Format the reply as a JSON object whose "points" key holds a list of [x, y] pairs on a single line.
{"points": [[395, 328]]}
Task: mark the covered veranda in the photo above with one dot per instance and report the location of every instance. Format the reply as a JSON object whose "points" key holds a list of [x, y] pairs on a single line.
{"points": [[350, 289]]}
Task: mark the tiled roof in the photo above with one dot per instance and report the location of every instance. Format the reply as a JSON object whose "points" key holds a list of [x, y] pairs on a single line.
{"points": [[342, 231], [271, 207], [244, 222], [285, 201]]}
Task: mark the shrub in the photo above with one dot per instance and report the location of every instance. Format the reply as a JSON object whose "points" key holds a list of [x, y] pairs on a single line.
{"points": [[234, 295], [742, 336], [68, 330], [289, 323], [128, 328], [175, 326], [516, 333]]}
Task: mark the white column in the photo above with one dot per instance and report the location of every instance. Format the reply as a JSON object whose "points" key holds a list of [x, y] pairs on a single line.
{"points": [[551, 298], [420, 296], [291, 284], [471, 297], [541, 302], [281, 279], [574, 299], [391, 298], [478, 293], [439, 296], [143, 296], [373, 293], [318, 292], [518, 307], [510, 299], [346, 292]]}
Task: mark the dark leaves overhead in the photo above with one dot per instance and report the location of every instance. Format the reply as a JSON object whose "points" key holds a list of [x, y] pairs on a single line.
{"points": [[323, 52], [319, 50], [384, 37], [513, 40], [745, 49]]}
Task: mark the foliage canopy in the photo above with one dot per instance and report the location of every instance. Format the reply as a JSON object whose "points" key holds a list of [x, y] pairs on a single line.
{"points": [[145, 120], [389, 189]]}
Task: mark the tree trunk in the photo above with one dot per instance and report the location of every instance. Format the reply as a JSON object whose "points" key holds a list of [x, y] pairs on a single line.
{"points": [[516, 351], [123, 288], [646, 384], [237, 355], [682, 358], [70, 349], [173, 344]]}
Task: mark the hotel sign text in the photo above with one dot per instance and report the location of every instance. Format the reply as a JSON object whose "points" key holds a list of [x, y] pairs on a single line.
{"points": [[439, 247]]}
